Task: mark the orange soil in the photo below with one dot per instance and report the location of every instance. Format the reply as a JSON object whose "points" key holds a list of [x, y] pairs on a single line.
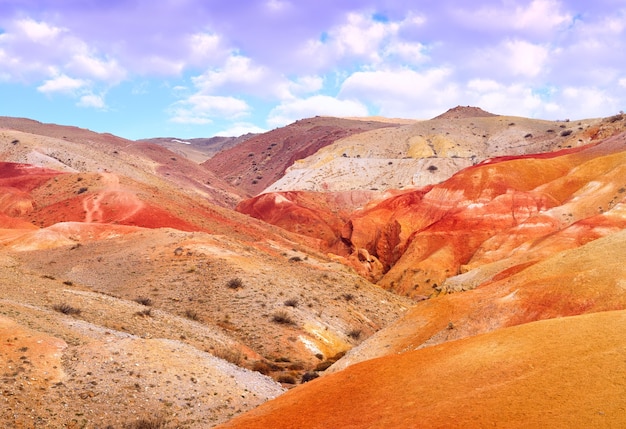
{"points": [[566, 372]]}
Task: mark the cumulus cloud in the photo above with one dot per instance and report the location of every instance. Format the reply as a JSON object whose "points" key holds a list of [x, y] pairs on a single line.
{"points": [[514, 99], [403, 92], [237, 72], [92, 100], [367, 39], [239, 129], [62, 84], [202, 109], [317, 105]]}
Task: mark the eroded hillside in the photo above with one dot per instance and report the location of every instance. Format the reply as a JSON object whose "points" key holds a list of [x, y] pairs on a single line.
{"points": [[132, 294]]}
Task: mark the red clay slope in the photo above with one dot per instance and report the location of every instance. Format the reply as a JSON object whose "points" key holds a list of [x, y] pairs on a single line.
{"points": [[567, 372], [33, 197], [410, 243], [258, 162]]}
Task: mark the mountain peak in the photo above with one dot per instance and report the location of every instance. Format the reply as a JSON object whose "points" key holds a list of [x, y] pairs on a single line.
{"points": [[461, 112]]}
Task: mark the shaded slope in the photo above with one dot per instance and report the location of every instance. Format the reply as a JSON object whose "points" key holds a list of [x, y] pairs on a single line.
{"points": [[261, 160], [428, 152], [72, 149], [197, 150], [566, 372]]}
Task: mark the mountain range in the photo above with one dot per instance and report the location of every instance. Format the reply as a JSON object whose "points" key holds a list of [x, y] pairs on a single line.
{"points": [[463, 271]]}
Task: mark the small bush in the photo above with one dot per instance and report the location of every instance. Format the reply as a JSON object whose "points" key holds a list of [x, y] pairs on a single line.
{"points": [[66, 309], [235, 283], [262, 367], [295, 259], [287, 379], [233, 356], [283, 318], [355, 334], [308, 376], [82, 190], [147, 423], [432, 168], [565, 133], [192, 315], [146, 312], [292, 302], [68, 283], [143, 301], [347, 296]]}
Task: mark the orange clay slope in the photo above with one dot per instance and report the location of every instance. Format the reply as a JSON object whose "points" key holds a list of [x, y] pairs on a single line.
{"points": [[565, 373], [412, 242]]}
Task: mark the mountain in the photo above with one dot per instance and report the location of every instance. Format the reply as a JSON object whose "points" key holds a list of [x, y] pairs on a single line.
{"points": [[198, 150], [261, 160], [483, 292]]}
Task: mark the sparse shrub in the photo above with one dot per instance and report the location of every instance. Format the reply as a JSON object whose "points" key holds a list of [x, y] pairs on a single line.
{"points": [[308, 376], [565, 133], [355, 334], [233, 356], [292, 302], [347, 296], [235, 283], [68, 283], [283, 318], [323, 366], [82, 190], [146, 312], [143, 301], [296, 366], [147, 423], [432, 168], [192, 315], [287, 379], [549, 131], [295, 259], [527, 136], [14, 142], [261, 367], [66, 309], [616, 118]]}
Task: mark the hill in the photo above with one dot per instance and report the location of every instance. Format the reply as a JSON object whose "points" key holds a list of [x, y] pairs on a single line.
{"points": [[488, 294]]}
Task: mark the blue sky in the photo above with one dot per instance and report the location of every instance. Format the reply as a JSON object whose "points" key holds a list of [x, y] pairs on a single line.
{"points": [[198, 68]]}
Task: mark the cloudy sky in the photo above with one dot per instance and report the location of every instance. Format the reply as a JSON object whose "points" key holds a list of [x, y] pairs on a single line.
{"points": [[197, 68]]}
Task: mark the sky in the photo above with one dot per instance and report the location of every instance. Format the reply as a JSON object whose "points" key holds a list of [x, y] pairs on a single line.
{"points": [[200, 68]]}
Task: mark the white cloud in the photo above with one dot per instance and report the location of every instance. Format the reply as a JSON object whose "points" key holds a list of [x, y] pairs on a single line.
{"points": [[622, 82], [317, 105], [538, 17], [411, 53], [92, 100], [204, 48], [107, 71], [239, 129], [201, 109], [524, 58], [514, 99], [364, 38], [238, 71], [62, 84], [38, 32], [403, 92]]}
